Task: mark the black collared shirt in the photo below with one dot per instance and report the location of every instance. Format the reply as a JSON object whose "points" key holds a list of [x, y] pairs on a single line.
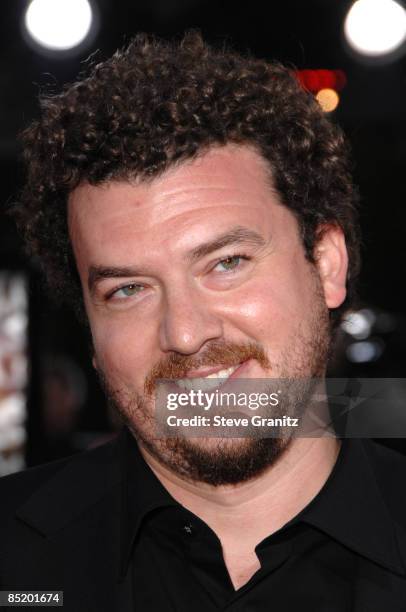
{"points": [[338, 554]]}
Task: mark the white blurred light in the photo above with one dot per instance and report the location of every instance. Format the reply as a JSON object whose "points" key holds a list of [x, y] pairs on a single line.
{"points": [[13, 437], [359, 324], [375, 27], [12, 410], [15, 325], [58, 25], [362, 352]]}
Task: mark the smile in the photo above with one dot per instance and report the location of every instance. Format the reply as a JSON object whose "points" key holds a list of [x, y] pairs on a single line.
{"points": [[211, 381]]}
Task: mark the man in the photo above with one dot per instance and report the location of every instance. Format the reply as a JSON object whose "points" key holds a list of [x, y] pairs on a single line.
{"points": [[196, 208]]}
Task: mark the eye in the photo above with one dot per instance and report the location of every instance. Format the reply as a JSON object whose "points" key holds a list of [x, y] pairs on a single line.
{"points": [[231, 263], [126, 292]]}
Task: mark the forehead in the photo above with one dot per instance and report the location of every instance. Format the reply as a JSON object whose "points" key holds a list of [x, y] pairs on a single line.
{"points": [[223, 186]]}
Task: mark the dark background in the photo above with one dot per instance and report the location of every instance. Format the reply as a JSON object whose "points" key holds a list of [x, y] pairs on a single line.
{"points": [[306, 34]]}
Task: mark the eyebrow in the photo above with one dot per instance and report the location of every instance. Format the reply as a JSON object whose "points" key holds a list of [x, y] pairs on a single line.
{"points": [[237, 235]]}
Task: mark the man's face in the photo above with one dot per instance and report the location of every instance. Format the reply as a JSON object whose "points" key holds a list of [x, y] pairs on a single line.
{"points": [[198, 270]]}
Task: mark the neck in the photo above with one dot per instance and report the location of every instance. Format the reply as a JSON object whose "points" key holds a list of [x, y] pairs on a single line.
{"points": [[261, 506]]}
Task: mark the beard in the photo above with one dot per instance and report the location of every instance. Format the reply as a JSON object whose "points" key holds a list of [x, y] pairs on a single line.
{"points": [[229, 461]]}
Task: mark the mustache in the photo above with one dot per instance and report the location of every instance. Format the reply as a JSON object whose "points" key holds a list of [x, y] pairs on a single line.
{"points": [[228, 354]]}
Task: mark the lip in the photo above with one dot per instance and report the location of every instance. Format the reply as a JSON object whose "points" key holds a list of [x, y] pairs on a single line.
{"points": [[212, 370], [240, 371], [203, 372]]}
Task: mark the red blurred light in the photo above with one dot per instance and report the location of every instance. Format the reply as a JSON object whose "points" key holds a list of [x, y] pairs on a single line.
{"points": [[327, 79], [314, 80], [341, 79]]}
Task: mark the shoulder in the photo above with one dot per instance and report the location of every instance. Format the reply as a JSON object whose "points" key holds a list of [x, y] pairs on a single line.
{"points": [[16, 488], [386, 461], [389, 469]]}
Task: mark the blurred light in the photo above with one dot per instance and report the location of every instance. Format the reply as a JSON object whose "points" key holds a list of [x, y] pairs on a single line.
{"points": [[314, 80], [359, 324], [13, 369], [15, 325], [58, 25], [13, 437], [362, 352], [328, 99], [375, 27], [12, 410]]}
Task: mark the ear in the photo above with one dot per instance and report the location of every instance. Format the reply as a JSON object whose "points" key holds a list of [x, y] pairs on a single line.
{"points": [[331, 258]]}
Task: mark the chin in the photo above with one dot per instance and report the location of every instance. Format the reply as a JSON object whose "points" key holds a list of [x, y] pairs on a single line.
{"points": [[217, 461]]}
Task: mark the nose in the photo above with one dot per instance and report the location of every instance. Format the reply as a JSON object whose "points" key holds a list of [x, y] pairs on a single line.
{"points": [[188, 322]]}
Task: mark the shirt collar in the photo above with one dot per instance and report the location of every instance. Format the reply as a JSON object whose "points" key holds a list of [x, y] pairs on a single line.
{"points": [[349, 508], [142, 492]]}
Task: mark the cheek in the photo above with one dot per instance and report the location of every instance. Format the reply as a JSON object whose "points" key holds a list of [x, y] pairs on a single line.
{"points": [[121, 352], [271, 305]]}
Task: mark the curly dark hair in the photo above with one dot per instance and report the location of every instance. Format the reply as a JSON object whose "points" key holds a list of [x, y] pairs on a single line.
{"points": [[156, 103]]}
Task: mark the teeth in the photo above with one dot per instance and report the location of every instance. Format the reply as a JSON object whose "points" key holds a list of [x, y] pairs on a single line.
{"points": [[206, 383]]}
